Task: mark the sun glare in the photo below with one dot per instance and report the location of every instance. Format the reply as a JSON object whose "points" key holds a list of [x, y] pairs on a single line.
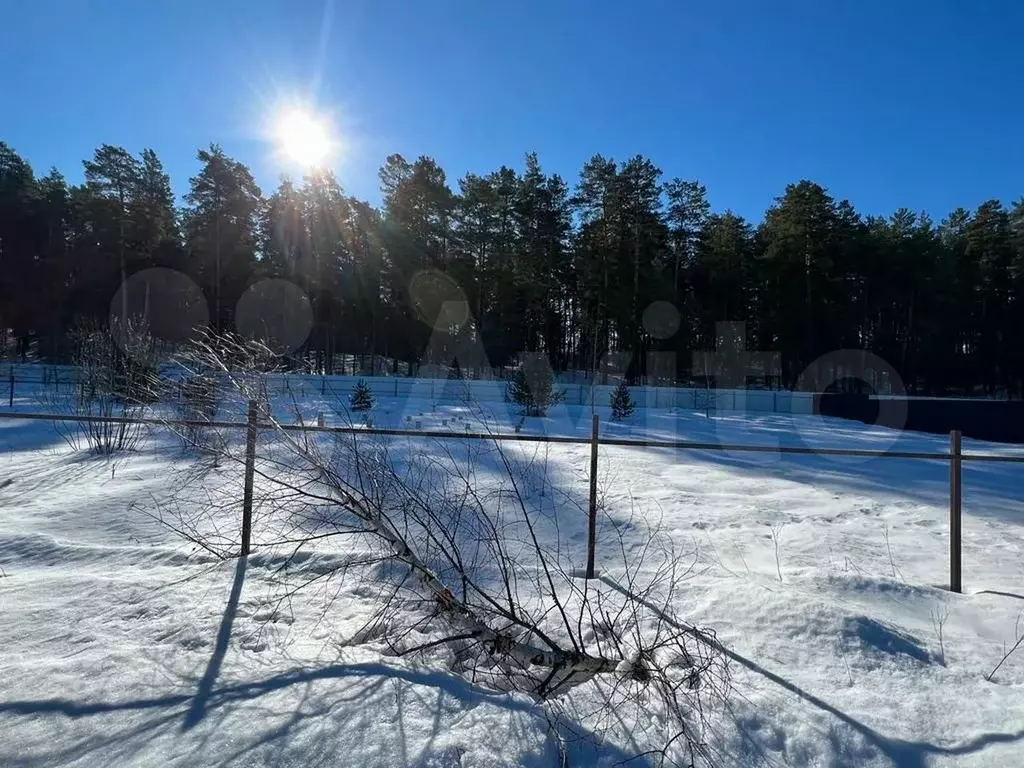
{"points": [[303, 138]]}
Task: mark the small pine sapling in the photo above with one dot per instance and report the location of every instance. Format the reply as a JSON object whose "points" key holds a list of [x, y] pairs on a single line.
{"points": [[622, 402], [361, 398], [532, 387]]}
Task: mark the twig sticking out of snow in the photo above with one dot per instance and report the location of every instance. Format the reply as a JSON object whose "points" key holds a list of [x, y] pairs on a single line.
{"points": [[892, 562], [1020, 639], [939, 621], [776, 531]]}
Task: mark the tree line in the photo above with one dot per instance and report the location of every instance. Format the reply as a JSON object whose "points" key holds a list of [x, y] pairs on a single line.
{"points": [[537, 263]]}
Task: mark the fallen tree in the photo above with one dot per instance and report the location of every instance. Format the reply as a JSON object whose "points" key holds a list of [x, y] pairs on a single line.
{"points": [[486, 567]]}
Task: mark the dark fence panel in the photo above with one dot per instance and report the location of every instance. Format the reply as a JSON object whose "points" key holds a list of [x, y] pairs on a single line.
{"points": [[846, 405], [998, 420]]}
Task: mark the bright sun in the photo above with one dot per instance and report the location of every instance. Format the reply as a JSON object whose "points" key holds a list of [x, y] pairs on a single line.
{"points": [[303, 138]]}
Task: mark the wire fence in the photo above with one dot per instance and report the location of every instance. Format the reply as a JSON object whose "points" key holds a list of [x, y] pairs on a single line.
{"points": [[256, 421]]}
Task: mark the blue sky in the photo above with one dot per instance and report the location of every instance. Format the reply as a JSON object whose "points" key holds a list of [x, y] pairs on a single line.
{"points": [[915, 104]]}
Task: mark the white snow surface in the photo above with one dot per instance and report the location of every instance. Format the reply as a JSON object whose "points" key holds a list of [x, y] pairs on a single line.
{"points": [[825, 577]]}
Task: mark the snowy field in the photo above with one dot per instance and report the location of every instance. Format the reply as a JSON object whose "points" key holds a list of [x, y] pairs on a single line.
{"points": [[824, 577]]}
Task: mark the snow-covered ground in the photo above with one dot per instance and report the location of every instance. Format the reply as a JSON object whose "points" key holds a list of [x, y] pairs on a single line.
{"points": [[824, 576]]}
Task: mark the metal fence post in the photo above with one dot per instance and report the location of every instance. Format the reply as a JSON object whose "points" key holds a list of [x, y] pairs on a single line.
{"points": [[10, 399], [955, 517], [592, 521], [250, 467]]}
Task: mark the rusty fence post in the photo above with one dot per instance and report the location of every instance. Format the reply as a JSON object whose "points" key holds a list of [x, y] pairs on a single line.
{"points": [[250, 468], [955, 510], [592, 521]]}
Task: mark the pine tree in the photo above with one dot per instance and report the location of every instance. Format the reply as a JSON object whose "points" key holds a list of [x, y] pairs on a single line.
{"points": [[622, 402], [17, 246], [488, 247], [361, 399], [221, 230], [417, 234], [798, 243], [114, 175], [283, 237], [533, 387], [719, 275], [597, 204], [542, 221], [155, 218]]}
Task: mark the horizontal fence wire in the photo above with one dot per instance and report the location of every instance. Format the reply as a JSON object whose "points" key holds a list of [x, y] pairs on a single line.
{"points": [[685, 445]]}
